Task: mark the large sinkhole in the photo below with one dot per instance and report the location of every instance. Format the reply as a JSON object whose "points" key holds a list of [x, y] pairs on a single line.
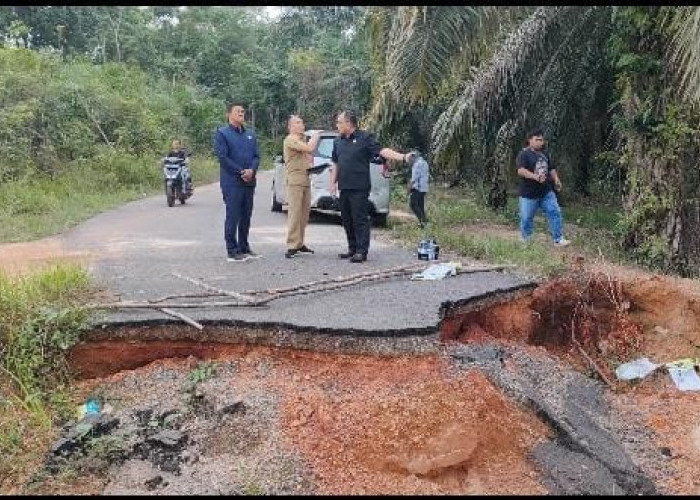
{"points": [[235, 409], [339, 423]]}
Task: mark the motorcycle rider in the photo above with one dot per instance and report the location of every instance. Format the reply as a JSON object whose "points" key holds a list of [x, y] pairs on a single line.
{"points": [[177, 151]]}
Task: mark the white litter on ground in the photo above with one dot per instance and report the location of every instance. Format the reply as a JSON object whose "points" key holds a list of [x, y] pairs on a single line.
{"points": [[639, 368], [437, 271], [682, 372]]}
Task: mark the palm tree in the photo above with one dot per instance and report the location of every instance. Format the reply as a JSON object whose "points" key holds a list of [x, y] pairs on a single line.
{"points": [[567, 69]]}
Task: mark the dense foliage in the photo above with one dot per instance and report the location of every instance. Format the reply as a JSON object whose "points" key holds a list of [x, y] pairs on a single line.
{"points": [[311, 60], [54, 114], [614, 89]]}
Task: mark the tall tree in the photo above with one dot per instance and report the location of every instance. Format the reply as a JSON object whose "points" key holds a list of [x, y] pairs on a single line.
{"points": [[553, 69]]}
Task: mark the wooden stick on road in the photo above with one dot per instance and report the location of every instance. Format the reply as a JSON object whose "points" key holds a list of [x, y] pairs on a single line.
{"points": [[245, 300], [181, 316], [185, 296], [352, 277], [186, 305], [334, 286], [411, 268], [235, 295], [361, 278]]}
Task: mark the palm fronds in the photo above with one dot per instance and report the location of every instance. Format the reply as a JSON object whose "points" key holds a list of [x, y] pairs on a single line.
{"points": [[421, 46], [531, 79], [685, 21]]}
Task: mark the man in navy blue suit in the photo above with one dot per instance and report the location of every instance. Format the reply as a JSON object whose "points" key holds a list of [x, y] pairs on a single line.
{"points": [[237, 149]]}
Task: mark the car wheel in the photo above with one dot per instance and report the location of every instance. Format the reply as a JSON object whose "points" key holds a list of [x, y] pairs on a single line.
{"points": [[379, 220], [276, 206]]}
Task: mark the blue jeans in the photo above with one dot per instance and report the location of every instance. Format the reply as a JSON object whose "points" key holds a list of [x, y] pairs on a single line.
{"points": [[549, 205]]}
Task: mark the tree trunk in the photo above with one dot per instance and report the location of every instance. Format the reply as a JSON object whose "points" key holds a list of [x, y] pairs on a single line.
{"points": [[502, 159], [661, 199], [660, 149]]}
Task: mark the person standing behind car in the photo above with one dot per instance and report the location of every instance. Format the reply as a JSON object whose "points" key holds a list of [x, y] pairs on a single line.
{"points": [[418, 185], [352, 153], [298, 159], [237, 149]]}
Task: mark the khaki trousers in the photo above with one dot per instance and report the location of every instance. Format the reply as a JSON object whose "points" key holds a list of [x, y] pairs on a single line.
{"points": [[298, 200]]}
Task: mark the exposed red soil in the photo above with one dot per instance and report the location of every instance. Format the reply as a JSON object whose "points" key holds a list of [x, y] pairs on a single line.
{"points": [[653, 316], [613, 320], [103, 358], [404, 426], [378, 425]]}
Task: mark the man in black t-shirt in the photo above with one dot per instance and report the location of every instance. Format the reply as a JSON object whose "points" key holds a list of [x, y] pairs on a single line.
{"points": [[352, 153], [537, 178]]}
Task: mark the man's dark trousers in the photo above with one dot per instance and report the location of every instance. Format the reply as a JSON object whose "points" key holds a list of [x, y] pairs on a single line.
{"points": [[418, 204], [239, 209], [354, 211]]}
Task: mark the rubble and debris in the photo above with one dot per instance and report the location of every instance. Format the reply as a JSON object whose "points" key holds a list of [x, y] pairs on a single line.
{"points": [[637, 369], [682, 372]]}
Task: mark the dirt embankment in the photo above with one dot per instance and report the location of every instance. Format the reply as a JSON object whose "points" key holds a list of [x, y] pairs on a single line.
{"points": [[308, 423], [615, 315]]}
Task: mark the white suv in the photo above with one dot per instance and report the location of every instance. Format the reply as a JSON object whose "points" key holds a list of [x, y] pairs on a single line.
{"points": [[321, 199]]}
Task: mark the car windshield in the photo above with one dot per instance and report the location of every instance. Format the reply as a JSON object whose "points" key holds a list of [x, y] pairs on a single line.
{"points": [[325, 147]]}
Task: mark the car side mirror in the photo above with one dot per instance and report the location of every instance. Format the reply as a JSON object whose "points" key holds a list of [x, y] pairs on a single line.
{"points": [[278, 159]]}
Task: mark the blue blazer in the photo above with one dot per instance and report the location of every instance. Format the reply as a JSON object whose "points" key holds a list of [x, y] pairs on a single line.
{"points": [[237, 149]]}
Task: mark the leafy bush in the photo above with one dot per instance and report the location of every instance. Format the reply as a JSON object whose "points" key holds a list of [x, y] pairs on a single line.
{"points": [[40, 318], [53, 113]]}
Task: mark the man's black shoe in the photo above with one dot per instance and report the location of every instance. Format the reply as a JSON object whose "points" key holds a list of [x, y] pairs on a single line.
{"points": [[291, 253], [346, 255], [237, 257], [305, 249], [358, 257]]}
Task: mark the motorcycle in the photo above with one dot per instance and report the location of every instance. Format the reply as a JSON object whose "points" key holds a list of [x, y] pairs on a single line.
{"points": [[176, 179]]}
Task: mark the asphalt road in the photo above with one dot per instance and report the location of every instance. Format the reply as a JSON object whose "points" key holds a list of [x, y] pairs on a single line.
{"points": [[135, 249]]}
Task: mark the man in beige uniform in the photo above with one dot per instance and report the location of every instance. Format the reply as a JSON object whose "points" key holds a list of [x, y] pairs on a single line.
{"points": [[298, 160]]}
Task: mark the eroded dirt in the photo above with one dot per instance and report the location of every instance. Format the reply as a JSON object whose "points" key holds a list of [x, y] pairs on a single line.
{"points": [[356, 424], [629, 315], [359, 424], [20, 258]]}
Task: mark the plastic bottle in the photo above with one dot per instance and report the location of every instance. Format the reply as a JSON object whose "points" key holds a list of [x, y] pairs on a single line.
{"points": [[92, 407]]}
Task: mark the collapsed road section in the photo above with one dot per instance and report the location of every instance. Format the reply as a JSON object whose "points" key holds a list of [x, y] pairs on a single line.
{"points": [[281, 408]]}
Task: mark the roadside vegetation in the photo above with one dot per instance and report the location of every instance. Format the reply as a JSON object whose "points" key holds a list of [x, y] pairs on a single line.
{"points": [[41, 317], [615, 89], [79, 138], [462, 225]]}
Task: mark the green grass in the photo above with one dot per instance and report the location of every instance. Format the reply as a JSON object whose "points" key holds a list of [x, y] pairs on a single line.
{"points": [[40, 319], [268, 150], [535, 257], [458, 219], [39, 207]]}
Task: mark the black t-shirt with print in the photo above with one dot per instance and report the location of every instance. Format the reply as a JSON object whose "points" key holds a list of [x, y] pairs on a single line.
{"points": [[534, 161]]}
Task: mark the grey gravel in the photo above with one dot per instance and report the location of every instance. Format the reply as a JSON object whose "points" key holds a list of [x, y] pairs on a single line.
{"points": [[575, 408]]}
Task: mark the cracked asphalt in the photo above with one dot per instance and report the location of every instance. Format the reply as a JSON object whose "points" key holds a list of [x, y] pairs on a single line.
{"points": [[134, 250]]}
